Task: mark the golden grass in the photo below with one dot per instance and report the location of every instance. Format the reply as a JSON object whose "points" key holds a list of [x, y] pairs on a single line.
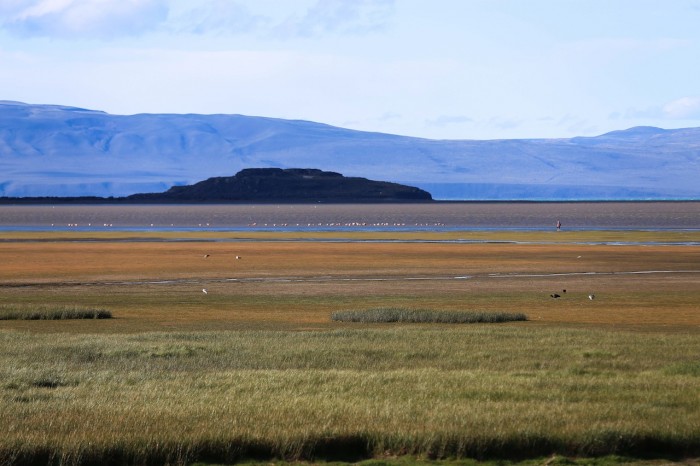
{"points": [[297, 284], [256, 367], [482, 391]]}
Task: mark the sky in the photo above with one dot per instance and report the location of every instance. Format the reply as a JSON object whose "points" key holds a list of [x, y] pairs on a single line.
{"points": [[440, 69]]}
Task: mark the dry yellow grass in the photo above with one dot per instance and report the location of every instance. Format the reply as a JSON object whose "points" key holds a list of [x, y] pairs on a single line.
{"points": [[156, 383], [152, 285]]}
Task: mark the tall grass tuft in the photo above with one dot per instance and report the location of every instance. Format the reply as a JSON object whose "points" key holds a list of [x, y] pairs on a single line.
{"points": [[48, 312], [398, 314]]}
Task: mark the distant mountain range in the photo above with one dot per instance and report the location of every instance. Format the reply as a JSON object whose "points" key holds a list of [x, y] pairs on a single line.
{"points": [[50, 150]]}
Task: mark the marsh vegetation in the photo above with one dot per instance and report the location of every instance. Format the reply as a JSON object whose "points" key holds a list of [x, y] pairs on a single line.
{"points": [[48, 312], [256, 368], [475, 391], [411, 315]]}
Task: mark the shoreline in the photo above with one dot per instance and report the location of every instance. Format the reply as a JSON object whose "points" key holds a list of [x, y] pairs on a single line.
{"points": [[423, 217], [90, 200]]}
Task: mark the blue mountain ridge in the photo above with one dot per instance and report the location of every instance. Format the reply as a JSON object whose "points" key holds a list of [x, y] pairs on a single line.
{"points": [[54, 150]]}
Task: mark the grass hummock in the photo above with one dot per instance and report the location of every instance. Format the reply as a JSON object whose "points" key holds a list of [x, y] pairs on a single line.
{"points": [[398, 314], [48, 312]]}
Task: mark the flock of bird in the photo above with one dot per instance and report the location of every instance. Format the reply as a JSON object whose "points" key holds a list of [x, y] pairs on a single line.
{"points": [[346, 224]]}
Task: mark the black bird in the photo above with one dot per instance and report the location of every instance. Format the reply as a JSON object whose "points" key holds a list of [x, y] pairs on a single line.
{"points": [[554, 295]]}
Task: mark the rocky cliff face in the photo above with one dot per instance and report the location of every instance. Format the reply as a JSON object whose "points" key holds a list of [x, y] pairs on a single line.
{"points": [[287, 185]]}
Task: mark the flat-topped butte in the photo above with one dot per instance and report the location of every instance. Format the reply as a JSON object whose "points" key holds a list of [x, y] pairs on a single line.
{"points": [[265, 185], [284, 185]]}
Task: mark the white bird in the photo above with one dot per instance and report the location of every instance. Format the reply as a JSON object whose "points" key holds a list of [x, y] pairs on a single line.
{"points": [[204, 290], [238, 257], [206, 255], [591, 297]]}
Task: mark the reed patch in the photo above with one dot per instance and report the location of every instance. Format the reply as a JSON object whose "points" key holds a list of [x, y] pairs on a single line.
{"points": [[424, 316], [49, 312]]}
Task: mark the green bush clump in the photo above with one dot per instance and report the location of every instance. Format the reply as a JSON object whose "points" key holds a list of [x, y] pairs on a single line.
{"points": [[48, 312], [393, 314]]}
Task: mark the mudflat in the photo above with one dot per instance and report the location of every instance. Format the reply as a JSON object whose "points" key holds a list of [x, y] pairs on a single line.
{"points": [[466, 215], [295, 282]]}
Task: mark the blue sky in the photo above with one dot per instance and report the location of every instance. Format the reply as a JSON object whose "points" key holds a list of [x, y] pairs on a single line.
{"points": [[443, 69]]}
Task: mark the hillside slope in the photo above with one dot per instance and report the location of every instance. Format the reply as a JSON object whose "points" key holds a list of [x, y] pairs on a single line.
{"points": [[48, 150]]}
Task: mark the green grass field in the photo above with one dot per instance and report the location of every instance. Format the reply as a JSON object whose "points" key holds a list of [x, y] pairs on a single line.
{"points": [[476, 391], [257, 370]]}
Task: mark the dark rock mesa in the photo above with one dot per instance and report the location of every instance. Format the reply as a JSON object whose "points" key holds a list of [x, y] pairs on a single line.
{"points": [[287, 185]]}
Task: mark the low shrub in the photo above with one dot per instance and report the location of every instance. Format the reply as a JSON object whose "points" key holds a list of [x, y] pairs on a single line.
{"points": [[392, 314], [48, 312]]}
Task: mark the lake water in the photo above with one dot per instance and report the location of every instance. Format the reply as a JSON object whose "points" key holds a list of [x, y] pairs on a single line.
{"points": [[322, 217]]}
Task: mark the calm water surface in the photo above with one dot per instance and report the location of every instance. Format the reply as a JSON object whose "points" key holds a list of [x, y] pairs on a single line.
{"points": [[433, 216]]}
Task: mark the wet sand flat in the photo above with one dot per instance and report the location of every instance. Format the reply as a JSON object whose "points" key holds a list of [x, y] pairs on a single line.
{"points": [[155, 286], [497, 215]]}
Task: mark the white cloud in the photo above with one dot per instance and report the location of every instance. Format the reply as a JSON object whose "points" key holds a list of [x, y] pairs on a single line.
{"points": [[82, 18], [683, 108], [445, 120], [215, 16], [653, 112], [386, 116], [338, 16], [504, 123], [109, 19]]}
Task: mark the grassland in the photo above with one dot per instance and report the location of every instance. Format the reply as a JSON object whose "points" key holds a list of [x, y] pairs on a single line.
{"points": [[257, 368]]}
